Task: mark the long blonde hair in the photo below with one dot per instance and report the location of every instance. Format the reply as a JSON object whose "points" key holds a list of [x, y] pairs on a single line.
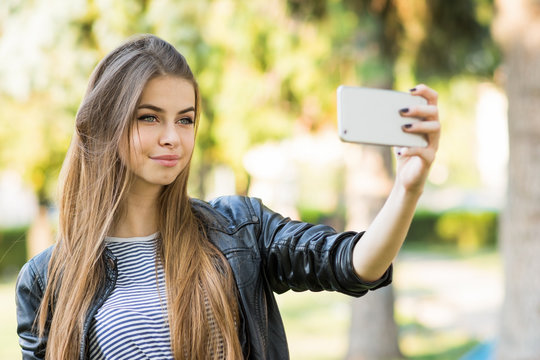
{"points": [[201, 296]]}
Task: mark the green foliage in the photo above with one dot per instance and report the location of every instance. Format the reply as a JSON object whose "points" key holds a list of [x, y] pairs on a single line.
{"points": [[263, 67], [467, 230], [36, 143], [457, 41], [12, 251], [315, 9], [458, 97], [335, 219]]}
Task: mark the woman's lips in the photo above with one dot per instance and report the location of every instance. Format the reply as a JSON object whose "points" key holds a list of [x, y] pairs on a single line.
{"points": [[166, 160]]}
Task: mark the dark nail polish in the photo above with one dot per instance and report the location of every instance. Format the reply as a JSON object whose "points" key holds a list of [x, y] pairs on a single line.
{"points": [[404, 110], [412, 90], [407, 126]]}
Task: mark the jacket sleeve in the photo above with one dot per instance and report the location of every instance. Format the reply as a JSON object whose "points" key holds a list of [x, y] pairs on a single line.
{"points": [[301, 256], [29, 291]]}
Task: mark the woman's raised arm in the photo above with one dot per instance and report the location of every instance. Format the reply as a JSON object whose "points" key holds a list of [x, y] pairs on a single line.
{"points": [[380, 244]]}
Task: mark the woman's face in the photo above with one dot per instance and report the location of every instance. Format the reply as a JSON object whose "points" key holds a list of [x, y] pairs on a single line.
{"points": [[163, 132]]}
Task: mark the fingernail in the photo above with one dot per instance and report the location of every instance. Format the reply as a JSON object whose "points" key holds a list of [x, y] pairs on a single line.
{"points": [[404, 110], [407, 126], [412, 90]]}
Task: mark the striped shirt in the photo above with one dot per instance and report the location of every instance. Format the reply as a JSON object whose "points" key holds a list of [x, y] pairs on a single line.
{"points": [[132, 323]]}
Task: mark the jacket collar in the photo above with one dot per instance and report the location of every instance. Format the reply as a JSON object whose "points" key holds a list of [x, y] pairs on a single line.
{"points": [[223, 215]]}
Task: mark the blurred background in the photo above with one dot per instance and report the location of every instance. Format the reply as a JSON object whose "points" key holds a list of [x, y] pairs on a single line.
{"points": [[268, 72]]}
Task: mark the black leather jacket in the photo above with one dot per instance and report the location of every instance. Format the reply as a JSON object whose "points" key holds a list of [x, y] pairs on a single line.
{"points": [[267, 253]]}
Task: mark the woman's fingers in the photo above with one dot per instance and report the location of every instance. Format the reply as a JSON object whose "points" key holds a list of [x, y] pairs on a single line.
{"points": [[424, 127], [427, 112], [414, 162], [399, 150], [428, 93]]}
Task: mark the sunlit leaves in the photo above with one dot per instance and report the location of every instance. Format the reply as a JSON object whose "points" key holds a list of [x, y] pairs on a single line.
{"points": [[262, 66]]}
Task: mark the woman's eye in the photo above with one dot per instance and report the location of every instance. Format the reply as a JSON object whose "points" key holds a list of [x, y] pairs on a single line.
{"points": [[185, 121], [147, 118]]}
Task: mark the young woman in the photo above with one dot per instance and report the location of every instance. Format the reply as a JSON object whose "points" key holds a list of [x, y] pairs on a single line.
{"points": [[142, 271]]}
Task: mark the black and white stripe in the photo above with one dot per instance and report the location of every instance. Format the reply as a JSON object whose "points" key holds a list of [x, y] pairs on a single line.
{"points": [[132, 323]]}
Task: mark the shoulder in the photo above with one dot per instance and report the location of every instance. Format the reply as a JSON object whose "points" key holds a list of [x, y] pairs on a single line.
{"points": [[34, 272], [229, 212], [232, 202]]}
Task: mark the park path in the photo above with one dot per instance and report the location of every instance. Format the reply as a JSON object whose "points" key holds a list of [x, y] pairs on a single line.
{"points": [[456, 296]]}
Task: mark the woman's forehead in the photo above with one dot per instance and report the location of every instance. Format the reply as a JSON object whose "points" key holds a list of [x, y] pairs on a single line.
{"points": [[168, 92]]}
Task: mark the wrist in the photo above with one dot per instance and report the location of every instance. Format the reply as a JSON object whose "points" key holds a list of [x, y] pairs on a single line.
{"points": [[408, 193]]}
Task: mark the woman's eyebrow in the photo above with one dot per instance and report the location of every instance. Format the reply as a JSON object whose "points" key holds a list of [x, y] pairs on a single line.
{"points": [[186, 110], [158, 109]]}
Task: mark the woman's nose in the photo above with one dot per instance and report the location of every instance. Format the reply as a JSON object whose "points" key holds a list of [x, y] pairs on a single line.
{"points": [[169, 136]]}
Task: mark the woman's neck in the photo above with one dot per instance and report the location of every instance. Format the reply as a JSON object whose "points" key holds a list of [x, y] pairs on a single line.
{"points": [[139, 216]]}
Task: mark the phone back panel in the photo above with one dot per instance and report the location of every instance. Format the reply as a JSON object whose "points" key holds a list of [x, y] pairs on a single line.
{"points": [[371, 116]]}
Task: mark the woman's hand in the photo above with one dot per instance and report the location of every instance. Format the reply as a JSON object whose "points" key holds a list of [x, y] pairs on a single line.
{"points": [[381, 242], [413, 163]]}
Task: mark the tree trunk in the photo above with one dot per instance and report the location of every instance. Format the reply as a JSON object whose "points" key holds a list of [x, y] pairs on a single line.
{"points": [[518, 30], [373, 332], [40, 234], [369, 179]]}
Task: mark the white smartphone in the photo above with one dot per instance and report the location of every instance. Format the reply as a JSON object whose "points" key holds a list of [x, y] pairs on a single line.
{"points": [[371, 116]]}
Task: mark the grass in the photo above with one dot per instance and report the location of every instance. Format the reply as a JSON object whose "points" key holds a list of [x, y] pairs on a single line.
{"points": [[317, 324], [317, 328], [419, 342], [435, 302], [9, 346]]}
